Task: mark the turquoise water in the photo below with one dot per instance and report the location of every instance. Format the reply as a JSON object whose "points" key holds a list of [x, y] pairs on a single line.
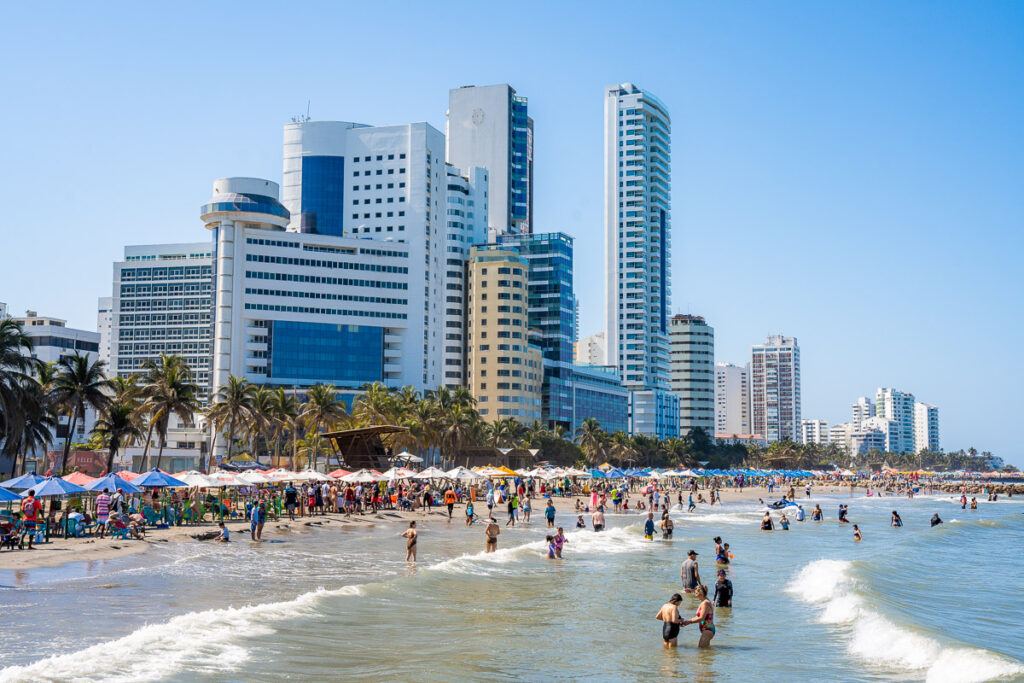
{"points": [[915, 603]]}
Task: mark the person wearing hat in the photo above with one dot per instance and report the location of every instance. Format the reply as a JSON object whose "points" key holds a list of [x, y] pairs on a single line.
{"points": [[689, 573], [723, 590]]}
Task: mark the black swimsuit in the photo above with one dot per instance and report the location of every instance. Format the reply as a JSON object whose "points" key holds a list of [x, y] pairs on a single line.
{"points": [[669, 631]]}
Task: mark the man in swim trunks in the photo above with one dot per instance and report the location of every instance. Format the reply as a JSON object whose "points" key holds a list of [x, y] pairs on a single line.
{"points": [[689, 572], [410, 535], [491, 531], [597, 519], [669, 613]]}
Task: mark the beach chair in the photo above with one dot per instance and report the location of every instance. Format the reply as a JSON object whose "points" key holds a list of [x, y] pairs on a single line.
{"points": [[71, 529], [150, 515], [120, 531]]}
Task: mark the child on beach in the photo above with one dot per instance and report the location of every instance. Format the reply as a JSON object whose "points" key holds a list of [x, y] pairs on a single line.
{"points": [[580, 524], [551, 546], [224, 536], [649, 527]]}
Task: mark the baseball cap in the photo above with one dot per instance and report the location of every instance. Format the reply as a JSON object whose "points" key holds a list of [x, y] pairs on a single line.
{"points": [[691, 551]]}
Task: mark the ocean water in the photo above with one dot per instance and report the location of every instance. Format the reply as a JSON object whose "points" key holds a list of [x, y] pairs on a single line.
{"points": [[910, 604]]}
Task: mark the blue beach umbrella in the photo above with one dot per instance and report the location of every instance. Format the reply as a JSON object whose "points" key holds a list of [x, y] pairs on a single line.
{"points": [[112, 482], [25, 481], [156, 479], [6, 495], [597, 474], [55, 486]]}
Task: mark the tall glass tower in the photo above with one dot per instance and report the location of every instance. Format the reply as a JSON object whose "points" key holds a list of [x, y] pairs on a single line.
{"points": [[637, 192]]}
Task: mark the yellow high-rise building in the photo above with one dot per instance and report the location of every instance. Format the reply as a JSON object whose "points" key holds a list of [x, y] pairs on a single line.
{"points": [[505, 371]]}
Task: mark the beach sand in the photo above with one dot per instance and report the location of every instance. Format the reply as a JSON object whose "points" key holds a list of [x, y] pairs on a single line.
{"points": [[61, 551]]}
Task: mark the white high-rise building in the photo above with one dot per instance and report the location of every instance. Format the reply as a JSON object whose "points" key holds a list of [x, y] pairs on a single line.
{"points": [[488, 127], [732, 398], [861, 410], [775, 388], [104, 325], [899, 407], [926, 427], [52, 340], [637, 196], [591, 350], [875, 433], [162, 303], [692, 376], [840, 434], [814, 431]]}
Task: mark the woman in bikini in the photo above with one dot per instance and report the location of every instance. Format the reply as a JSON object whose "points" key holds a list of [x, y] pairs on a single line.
{"points": [[705, 617], [669, 613], [410, 535]]}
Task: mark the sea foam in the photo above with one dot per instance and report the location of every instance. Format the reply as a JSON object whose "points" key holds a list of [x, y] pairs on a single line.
{"points": [[877, 640], [203, 640]]}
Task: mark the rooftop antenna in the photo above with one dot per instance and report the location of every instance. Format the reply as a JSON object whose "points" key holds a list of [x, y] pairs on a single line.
{"points": [[307, 110], [300, 118]]}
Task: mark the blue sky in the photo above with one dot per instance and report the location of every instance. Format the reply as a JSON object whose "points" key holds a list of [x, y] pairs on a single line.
{"points": [[846, 173]]}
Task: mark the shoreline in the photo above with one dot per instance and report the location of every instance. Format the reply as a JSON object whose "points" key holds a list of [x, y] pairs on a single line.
{"points": [[60, 552]]}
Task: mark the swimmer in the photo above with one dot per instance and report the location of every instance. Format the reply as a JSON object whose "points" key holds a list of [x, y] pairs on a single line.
{"points": [[491, 531], [723, 590], [720, 555], [800, 513], [560, 540], [766, 522], [580, 524], [974, 503], [856, 534], [667, 525], [649, 527], [597, 519], [784, 522], [669, 613], [895, 521], [705, 617], [410, 535], [551, 546], [690, 573], [816, 514], [935, 519]]}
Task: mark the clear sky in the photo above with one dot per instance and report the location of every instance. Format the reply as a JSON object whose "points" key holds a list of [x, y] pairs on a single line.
{"points": [[846, 173]]}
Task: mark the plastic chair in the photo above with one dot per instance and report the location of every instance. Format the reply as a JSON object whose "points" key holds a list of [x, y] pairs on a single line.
{"points": [[150, 515]]}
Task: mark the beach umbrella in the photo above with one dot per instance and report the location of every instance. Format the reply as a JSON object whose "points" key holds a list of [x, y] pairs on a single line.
{"points": [[112, 482], [55, 486], [363, 476], [597, 474], [254, 477], [313, 475], [222, 478], [157, 479], [80, 478], [128, 475], [488, 472], [338, 473], [398, 473], [7, 495], [462, 474], [24, 482], [276, 476], [193, 478], [431, 473], [406, 456]]}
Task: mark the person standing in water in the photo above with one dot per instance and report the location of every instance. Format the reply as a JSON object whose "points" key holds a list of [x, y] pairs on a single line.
{"points": [[816, 514], [549, 513], [935, 519], [895, 521], [705, 618], [766, 522], [690, 573], [723, 590], [410, 535], [649, 527], [856, 534], [491, 531], [560, 540], [669, 613], [597, 519]]}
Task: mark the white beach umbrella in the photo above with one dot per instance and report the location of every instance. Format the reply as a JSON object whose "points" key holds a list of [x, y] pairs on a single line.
{"points": [[492, 472], [220, 479], [462, 474], [194, 478], [310, 475], [398, 473], [363, 476], [254, 477], [431, 473]]}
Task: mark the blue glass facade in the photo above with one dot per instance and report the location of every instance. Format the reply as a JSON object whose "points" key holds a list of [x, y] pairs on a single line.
{"points": [[301, 352], [598, 393], [251, 203], [323, 195], [551, 315], [520, 162]]}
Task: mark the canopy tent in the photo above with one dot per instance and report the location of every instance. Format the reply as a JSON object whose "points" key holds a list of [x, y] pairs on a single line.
{"points": [[431, 473], [194, 478], [7, 495], [157, 479], [55, 486], [80, 478], [363, 476], [22, 483], [112, 482]]}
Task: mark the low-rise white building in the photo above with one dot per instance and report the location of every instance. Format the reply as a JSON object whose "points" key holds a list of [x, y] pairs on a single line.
{"points": [[814, 431]]}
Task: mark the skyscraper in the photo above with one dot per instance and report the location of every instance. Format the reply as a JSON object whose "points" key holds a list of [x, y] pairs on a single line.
{"points": [[692, 378], [104, 325], [732, 398], [505, 367], [637, 191], [488, 127], [897, 406], [926, 427], [775, 388], [551, 307], [862, 410]]}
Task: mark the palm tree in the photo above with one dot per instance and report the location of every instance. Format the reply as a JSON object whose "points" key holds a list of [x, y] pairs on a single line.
{"points": [[40, 422], [286, 419], [322, 410], [169, 390], [229, 409], [375, 406], [622, 448], [79, 384], [459, 424], [261, 418], [591, 439], [16, 366], [119, 425]]}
